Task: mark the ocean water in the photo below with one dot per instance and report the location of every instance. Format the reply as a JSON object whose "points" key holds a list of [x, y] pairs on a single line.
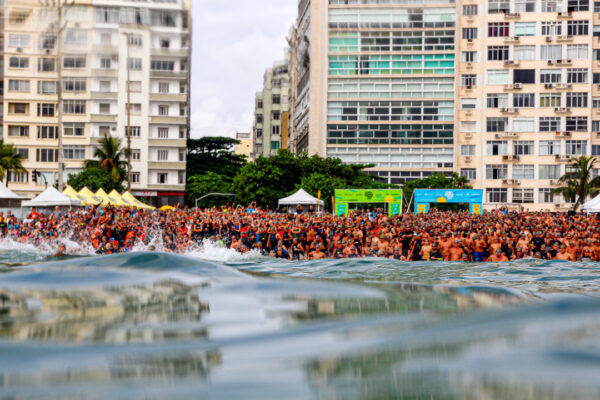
{"points": [[214, 324]]}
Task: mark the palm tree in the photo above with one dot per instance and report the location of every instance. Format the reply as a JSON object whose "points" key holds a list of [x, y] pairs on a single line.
{"points": [[579, 181], [111, 158], [10, 160]]}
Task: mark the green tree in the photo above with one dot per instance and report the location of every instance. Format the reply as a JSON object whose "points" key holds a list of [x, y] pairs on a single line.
{"points": [[213, 154], [93, 179], [10, 160], [579, 181], [325, 183], [200, 185], [268, 179], [111, 158], [436, 181]]}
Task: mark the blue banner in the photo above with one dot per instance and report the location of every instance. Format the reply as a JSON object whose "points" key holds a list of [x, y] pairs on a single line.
{"points": [[423, 197]]}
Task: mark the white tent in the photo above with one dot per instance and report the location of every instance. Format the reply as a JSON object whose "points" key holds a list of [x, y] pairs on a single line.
{"points": [[8, 198], [302, 198], [52, 198], [592, 205]]}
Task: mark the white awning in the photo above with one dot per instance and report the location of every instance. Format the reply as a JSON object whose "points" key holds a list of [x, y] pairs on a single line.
{"points": [[592, 205], [6, 193], [300, 197], [52, 198]]}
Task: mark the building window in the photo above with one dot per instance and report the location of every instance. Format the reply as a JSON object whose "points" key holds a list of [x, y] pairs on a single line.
{"points": [[47, 42], [468, 104], [552, 28], [162, 178], [524, 125], [546, 195], [468, 80], [550, 76], [46, 155], [71, 152], [576, 147], [275, 145], [275, 115], [469, 173], [577, 124], [525, 29], [497, 100], [467, 150], [73, 129], [18, 108], [496, 124], [161, 65], [522, 196], [46, 65], [182, 154], [577, 100], [163, 133], [163, 87], [276, 99], [524, 76], [523, 172], [46, 109], [104, 130], [596, 150], [498, 171], [18, 62], [259, 132], [24, 153], [134, 108], [497, 148], [75, 37], [549, 147], [498, 6], [18, 131], [550, 5], [135, 131], [549, 124], [135, 40], [47, 132], [104, 108], [15, 40], [136, 155], [523, 147], [578, 52], [105, 62], [134, 177], [575, 28], [135, 86], [497, 53], [524, 100], [469, 10], [46, 87], [498, 29], [135, 64], [275, 130], [259, 103], [497, 77], [181, 177], [163, 155], [550, 100], [18, 85], [497, 195], [524, 53], [578, 5], [469, 33], [74, 62], [551, 52], [163, 110], [17, 177], [74, 106], [469, 56], [74, 85], [549, 171]]}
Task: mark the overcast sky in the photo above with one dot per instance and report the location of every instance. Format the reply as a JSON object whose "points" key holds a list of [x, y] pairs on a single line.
{"points": [[234, 42]]}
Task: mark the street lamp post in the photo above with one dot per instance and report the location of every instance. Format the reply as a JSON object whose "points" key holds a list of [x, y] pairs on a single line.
{"points": [[127, 38]]}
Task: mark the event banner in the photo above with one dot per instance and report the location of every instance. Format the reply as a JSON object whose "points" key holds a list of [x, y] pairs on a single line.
{"points": [[473, 197], [368, 196]]}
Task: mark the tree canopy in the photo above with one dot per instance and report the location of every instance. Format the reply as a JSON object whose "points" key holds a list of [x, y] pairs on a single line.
{"points": [[579, 181], [213, 154]]}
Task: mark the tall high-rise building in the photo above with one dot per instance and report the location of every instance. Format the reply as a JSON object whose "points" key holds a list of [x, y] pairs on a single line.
{"points": [[501, 92], [272, 111], [115, 65]]}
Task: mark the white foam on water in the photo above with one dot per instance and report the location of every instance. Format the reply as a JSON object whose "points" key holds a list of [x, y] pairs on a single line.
{"points": [[211, 251]]}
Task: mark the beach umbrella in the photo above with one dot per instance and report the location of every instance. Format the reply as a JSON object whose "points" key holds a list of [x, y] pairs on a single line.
{"points": [[89, 197], [129, 197]]}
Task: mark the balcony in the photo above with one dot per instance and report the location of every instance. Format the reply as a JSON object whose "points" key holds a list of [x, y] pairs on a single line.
{"points": [[169, 74], [182, 97], [105, 95], [103, 118], [155, 142], [166, 165], [168, 120], [171, 52]]}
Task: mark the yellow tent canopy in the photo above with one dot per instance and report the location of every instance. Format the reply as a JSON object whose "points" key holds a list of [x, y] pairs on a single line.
{"points": [[72, 193], [89, 197], [101, 194], [167, 208], [115, 198], [130, 198]]}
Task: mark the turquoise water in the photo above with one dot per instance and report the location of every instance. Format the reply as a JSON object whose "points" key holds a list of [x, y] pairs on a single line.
{"points": [[153, 326]]}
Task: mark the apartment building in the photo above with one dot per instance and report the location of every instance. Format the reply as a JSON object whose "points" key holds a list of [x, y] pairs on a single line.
{"points": [[529, 98], [502, 92], [116, 64], [272, 111], [246, 146]]}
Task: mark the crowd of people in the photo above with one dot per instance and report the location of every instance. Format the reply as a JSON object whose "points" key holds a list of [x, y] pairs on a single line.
{"points": [[451, 236]]}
